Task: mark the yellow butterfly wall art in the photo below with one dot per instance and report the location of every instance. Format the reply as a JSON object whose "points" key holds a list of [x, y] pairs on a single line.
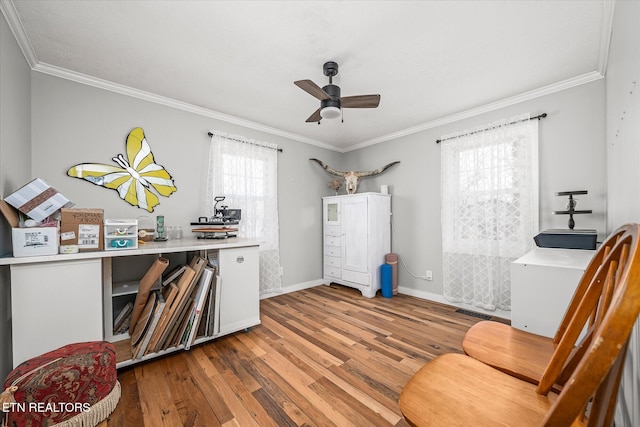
{"points": [[135, 177]]}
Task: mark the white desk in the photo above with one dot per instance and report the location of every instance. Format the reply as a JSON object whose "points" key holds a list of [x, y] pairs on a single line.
{"points": [[543, 282], [61, 299]]}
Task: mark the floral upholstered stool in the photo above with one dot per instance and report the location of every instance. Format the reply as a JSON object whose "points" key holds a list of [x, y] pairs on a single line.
{"points": [[75, 385]]}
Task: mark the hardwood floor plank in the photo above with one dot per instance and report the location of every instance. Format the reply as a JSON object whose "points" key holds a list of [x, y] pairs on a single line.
{"points": [[198, 370], [285, 396], [352, 409], [157, 405], [322, 356], [191, 402]]}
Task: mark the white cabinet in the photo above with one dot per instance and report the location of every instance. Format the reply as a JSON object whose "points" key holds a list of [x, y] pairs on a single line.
{"points": [[61, 299], [239, 289], [357, 236], [54, 304], [543, 282]]}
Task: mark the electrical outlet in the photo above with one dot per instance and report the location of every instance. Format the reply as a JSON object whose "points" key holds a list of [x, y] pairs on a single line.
{"points": [[428, 275]]}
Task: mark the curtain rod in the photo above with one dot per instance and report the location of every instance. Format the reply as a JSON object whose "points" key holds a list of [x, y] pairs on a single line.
{"points": [[539, 117], [247, 142]]}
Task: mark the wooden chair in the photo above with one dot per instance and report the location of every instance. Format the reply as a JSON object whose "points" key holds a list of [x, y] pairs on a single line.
{"points": [[458, 390], [526, 355]]}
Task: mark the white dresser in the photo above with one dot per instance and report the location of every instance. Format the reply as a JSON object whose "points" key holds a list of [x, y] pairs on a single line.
{"points": [[543, 282], [357, 236]]}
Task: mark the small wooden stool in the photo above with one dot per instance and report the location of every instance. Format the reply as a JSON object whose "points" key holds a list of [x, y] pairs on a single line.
{"points": [[75, 385]]}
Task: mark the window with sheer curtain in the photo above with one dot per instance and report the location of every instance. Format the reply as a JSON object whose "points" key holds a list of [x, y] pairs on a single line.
{"points": [[489, 208], [246, 173]]}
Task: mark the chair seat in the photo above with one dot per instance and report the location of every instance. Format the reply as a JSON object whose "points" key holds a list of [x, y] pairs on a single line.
{"points": [[75, 385], [457, 390], [513, 351]]}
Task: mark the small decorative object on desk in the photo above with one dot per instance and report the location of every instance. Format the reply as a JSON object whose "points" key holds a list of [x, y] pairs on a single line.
{"points": [[161, 237], [335, 185], [571, 206], [146, 228]]}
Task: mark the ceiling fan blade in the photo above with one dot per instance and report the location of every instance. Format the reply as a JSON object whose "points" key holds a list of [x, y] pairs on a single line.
{"points": [[312, 89], [315, 117], [360, 101]]}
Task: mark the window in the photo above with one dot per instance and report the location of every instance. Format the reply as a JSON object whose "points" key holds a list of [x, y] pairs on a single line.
{"points": [[489, 209], [245, 172]]}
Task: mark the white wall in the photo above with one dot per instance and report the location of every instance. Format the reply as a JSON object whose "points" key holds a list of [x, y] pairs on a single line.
{"points": [[15, 162], [623, 158], [74, 123], [623, 117], [572, 157]]}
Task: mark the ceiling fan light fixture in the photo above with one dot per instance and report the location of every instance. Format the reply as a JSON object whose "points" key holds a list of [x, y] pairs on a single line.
{"points": [[330, 113]]}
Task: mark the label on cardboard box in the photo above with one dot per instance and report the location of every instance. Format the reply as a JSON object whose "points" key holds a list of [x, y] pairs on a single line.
{"points": [[89, 236], [35, 241], [82, 216]]}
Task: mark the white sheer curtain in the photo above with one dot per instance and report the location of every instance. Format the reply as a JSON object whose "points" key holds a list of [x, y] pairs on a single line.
{"points": [[489, 208], [246, 173]]}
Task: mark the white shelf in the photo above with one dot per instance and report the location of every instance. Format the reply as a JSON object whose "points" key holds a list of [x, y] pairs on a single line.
{"points": [[169, 246]]}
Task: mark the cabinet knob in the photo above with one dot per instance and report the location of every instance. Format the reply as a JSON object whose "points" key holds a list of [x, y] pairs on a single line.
{"points": [[240, 259]]}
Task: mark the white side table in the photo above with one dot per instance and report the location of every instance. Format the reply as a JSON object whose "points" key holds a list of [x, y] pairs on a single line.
{"points": [[543, 282]]}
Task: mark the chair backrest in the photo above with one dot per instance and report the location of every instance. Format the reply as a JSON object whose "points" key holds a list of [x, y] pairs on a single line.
{"points": [[587, 307], [596, 377], [586, 279]]}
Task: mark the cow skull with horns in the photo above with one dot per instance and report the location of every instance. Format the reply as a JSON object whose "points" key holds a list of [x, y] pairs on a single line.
{"points": [[351, 178]]}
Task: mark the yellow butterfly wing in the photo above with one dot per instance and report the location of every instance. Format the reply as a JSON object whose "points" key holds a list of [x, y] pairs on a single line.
{"points": [[136, 176], [141, 160], [119, 179]]}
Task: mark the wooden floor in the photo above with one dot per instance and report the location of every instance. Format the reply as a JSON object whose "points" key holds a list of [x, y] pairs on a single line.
{"points": [[323, 356]]}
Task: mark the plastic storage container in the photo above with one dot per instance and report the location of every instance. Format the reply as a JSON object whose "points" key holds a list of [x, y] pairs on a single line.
{"points": [[120, 234]]}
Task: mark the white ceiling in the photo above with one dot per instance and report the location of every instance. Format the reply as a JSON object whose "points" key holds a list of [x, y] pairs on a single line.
{"points": [[431, 61]]}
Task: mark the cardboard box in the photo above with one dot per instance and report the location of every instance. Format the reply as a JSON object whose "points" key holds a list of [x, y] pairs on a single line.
{"points": [[35, 241], [82, 227], [38, 200]]}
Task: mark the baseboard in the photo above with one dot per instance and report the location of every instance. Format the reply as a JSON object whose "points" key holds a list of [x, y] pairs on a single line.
{"points": [[430, 296], [293, 288]]}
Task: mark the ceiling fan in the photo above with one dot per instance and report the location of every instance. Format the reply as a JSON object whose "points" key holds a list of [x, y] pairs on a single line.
{"points": [[331, 103]]}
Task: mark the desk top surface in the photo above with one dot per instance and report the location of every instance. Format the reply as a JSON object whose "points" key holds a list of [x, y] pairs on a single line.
{"points": [[170, 246], [553, 257]]}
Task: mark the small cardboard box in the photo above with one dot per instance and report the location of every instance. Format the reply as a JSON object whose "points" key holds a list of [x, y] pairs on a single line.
{"points": [[82, 227], [35, 241], [38, 200]]}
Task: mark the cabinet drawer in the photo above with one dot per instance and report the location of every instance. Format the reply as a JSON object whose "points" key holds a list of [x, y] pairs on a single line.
{"points": [[332, 272], [332, 230], [332, 241], [332, 261], [357, 277], [334, 251]]}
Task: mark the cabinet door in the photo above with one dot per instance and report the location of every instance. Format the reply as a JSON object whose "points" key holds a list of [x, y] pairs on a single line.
{"points": [[54, 304], [331, 211], [239, 289], [355, 226]]}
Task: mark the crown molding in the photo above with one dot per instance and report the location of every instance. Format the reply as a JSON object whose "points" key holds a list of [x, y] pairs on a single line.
{"points": [[526, 96], [169, 102], [608, 9], [8, 10], [10, 14]]}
